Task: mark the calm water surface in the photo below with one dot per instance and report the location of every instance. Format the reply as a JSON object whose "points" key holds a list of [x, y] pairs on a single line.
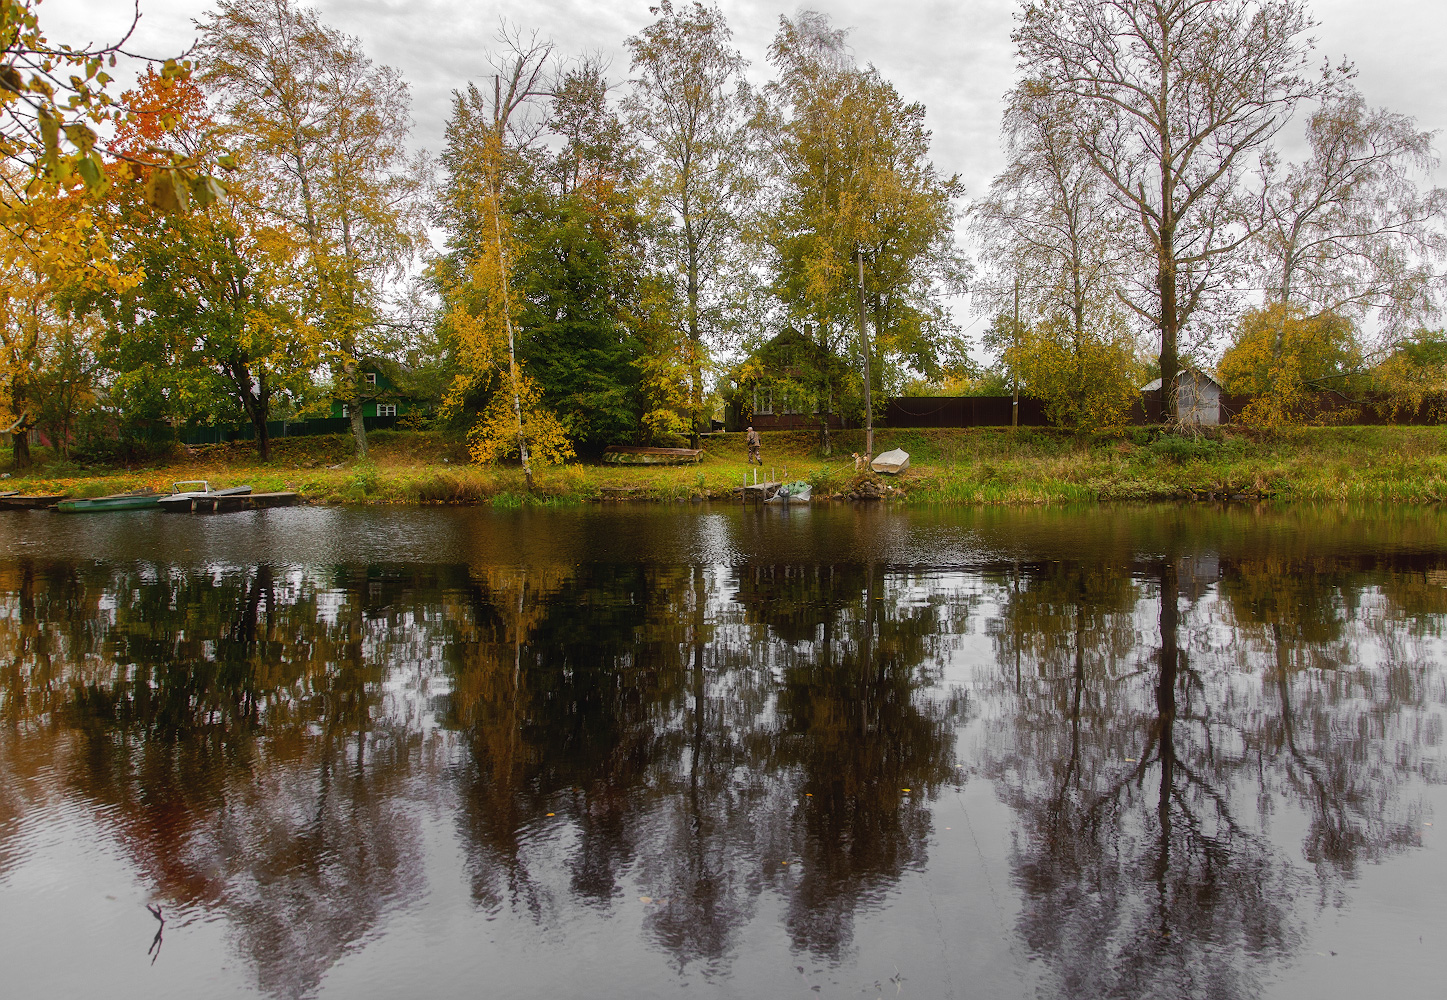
{"points": [[717, 752]]}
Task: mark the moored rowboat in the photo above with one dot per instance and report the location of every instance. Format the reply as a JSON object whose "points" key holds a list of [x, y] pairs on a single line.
{"points": [[139, 500], [22, 502]]}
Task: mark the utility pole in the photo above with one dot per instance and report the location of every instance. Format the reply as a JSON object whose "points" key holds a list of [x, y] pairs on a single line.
{"points": [[1014, 366], [864, 350]]}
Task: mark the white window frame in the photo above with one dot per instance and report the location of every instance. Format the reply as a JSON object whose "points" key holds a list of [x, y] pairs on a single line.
{"points": [[764, 400], [371, 378], [386, 409]]}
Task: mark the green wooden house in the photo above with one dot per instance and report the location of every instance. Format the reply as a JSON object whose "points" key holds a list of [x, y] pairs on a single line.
{"points": [[384, 393], [790, 382]]}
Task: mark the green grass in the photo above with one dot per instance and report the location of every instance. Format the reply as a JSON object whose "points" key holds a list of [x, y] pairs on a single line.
{"points": [[974, 466]]}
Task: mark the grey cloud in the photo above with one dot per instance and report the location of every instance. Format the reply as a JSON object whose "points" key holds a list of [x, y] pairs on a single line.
{"points": [[955, 57]]}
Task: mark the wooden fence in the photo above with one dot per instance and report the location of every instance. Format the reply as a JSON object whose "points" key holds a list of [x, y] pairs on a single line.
{"points": [[994, 411]]}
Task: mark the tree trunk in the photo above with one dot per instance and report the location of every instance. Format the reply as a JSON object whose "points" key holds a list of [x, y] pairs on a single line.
{"points": [[695, 336], [1170, 328], [359, 429], [20, 443], [254, 402], [263, 436]]}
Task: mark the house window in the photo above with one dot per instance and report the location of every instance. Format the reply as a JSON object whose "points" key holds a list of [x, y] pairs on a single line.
{"points": [[764, 400], [371, 378], [386, 409], [346, 410]]}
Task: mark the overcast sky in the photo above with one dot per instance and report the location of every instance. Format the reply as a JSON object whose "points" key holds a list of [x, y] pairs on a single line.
{"points": [[955, 57]]}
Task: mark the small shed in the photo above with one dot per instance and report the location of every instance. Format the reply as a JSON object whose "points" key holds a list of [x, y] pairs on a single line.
{"points": [[1198, 397]]}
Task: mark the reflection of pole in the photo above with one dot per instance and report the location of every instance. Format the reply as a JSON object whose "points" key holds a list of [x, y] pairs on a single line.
{"points": [[1015, 616], [864, 350]]}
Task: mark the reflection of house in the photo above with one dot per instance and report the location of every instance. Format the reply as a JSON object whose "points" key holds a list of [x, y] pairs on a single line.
{"points": [[381, 394], [1198, 397], [789, 382]]}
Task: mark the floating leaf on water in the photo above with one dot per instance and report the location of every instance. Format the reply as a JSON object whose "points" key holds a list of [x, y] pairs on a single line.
{"points": [[645, 899]]}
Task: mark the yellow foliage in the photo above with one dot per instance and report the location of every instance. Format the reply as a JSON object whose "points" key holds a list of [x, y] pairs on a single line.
{"points": [[1087, 381], [1282, 357], [495, 434], [481, 313], [1414, 375]]}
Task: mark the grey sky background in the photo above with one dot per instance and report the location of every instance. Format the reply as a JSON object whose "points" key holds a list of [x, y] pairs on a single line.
{"points": [[955, 57]]}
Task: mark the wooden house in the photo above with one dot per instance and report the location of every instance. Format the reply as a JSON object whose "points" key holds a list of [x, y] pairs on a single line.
{"points": [[384, 393], [790, 382]]}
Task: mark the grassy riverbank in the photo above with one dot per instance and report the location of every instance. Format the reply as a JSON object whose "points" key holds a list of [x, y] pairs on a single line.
{"points": [[975, 466]]}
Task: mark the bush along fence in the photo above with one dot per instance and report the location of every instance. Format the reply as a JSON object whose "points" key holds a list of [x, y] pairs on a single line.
{"points": [[280, 428]]}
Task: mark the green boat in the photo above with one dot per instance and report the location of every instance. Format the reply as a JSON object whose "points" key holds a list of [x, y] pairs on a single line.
{"points": [[140, 500]]}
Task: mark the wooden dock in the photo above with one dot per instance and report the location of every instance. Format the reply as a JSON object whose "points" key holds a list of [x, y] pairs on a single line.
{"points": [[226, 504], [758, 491]]}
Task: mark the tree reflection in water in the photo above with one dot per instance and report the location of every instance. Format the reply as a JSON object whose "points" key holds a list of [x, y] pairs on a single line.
{"points": [[1147, 770], [228, 726], [688, 741], [712, 742]]}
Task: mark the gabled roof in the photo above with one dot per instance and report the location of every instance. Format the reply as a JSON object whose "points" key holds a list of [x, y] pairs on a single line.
{"points": [[1156, 385]]}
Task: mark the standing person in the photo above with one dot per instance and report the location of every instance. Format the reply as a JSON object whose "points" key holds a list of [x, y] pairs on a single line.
{"points": [[755, 453]]}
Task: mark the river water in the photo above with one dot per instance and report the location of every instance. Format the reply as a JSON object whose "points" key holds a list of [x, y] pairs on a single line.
{"points": [[716, 751]]}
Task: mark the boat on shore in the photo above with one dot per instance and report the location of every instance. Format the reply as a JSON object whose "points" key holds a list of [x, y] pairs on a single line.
{"points": [[799, 492], [891, 463], [18, 501]]}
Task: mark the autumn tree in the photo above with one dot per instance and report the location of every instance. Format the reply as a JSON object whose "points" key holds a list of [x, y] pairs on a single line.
{"points": [[600, 331], [1348, 231], [1412, 377], [1052, 239], [1167, 100], [217, 310], [59, 120], [1283, 356], [1086, 382], [29, 321], [862, 224], [689, 101], [488, 146], [324, 131]]}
